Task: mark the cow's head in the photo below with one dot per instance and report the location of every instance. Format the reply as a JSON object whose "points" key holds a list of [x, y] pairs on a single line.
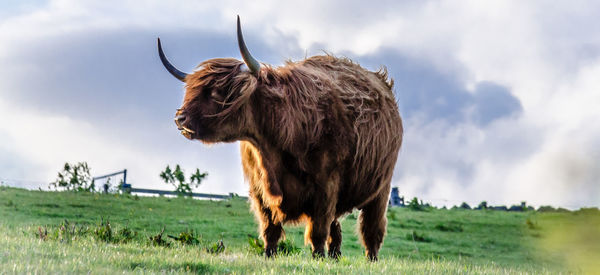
{"points": [[214, 108]]}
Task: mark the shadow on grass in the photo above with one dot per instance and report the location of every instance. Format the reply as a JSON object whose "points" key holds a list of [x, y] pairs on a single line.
{"points": [[198, 268], [47, 205]]}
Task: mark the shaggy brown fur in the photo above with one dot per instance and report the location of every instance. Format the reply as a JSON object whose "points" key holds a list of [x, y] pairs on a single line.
{"points": [[319, 138]]}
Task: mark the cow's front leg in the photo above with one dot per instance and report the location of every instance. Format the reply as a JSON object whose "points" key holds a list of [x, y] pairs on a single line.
{"points": [[271, 235], [317, 232], [334, 244], [270, 230]]}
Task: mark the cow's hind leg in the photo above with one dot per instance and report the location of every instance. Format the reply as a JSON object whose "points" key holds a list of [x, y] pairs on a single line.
{"points": [[334, 243], [372, 224], [317, 231]]}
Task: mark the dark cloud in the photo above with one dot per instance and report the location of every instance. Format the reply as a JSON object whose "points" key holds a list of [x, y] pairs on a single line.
{"points": [[99, 75], [492, 101], [423, 90], [115, 80]]}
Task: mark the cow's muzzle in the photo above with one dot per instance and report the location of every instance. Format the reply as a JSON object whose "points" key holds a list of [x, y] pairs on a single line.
{"points": [[180, 119]]}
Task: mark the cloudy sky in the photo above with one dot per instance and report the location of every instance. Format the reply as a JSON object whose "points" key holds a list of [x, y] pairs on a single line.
{"points": [[500, 99]]}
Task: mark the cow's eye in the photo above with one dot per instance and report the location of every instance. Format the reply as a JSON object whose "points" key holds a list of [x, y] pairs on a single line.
{"points": [[215, 95]]}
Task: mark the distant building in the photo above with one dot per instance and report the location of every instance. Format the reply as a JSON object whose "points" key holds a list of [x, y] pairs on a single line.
{"points": [[395, 199], [515, 208], [499, 208]]}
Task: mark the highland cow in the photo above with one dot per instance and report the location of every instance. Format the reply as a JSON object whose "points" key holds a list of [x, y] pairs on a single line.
{"points": [[319, 138]]}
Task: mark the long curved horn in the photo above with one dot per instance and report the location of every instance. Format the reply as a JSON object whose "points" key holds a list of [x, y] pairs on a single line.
{"points": [[174, 71], [252, 63]]}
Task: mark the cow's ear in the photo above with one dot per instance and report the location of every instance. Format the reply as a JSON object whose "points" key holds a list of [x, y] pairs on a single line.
{"points": [[248, 85]]}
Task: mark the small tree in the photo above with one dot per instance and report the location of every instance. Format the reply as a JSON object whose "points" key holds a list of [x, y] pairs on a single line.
{"points": [[177, 179], [414, 204], [74, 177]]}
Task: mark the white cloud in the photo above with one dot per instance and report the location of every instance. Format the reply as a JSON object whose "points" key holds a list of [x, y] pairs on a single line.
{"points": [[527, 47], [47, 141]]}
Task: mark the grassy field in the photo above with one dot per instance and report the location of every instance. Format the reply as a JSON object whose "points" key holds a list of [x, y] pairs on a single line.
{"points": [[58, 232]]}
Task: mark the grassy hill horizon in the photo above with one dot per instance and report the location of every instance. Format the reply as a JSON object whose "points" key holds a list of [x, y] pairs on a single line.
{"points": [[79, 232]]}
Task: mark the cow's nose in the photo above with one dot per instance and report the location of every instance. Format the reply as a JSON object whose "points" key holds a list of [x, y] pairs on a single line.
{"points": [[179, 119]]}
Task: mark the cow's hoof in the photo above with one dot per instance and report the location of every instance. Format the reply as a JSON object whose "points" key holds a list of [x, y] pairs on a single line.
{"points": [[372, 257], [270, 252], [335, 254], [318, 254]]}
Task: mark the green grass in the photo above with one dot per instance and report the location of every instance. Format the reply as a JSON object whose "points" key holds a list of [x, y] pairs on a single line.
{"points": [[436, 241]]}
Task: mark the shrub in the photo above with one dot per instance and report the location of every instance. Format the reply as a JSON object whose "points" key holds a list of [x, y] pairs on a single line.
{"points": [[188, 237], [125, 235], [158, 239], [588, 211], [562, 210], [415, 205], [216, 248], [74, 177], [449, 227], [64, 232], [546, 208], [177, 179], [465, 205], [256, 245], [287, 247], [103, 231], [42, 234], [67, 232], [482, 205]]}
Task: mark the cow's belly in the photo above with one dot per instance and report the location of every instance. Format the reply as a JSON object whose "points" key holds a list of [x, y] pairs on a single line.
{"points": [[295, 195]]}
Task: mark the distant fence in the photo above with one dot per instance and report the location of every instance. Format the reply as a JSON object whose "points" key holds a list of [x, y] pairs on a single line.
{"points": [[128, 189], [106, 186]]}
